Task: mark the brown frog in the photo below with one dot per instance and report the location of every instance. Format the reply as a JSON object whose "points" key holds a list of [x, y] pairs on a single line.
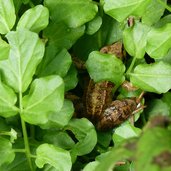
{"points": [[97, 100]]}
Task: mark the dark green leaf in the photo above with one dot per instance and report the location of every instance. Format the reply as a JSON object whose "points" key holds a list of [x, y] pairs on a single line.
{"points": [[60, 139], [8, 100], [7, 16], [105, 67], [69, 12], [122, 9], [26, 53], [46, 96], [6, 152], [55, 62], [60, 118], [155, 77], [57, 157], [61, 36], [34, 19], [85, 132], [167, 99], [159, 41], [71, 79]]}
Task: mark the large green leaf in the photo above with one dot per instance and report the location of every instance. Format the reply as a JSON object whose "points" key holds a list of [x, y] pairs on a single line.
{"points": [[154, 147], [105, 67], [85, 133], [159, 41], [150, 15], [4, 49], [137, 35], [57, 157], [56, 61], [8, 100], [26, 52], [6, 152], [46, 97], [61, 36], [69, 12], [34, 19], [122, 9], [155, 77], [7, 16]]}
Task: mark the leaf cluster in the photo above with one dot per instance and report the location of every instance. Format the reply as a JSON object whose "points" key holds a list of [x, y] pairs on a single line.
{"points": [[38, 39]]}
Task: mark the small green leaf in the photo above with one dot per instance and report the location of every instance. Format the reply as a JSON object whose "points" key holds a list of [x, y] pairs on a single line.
{"points": [[159, 41], [69, 12], [155, 77], [91, 166], [34, 19], [46, 96], [167, 99], [154, 147], [26, 52], [57, 157], [60, 118], [7, 16], [125, 131], [6, 152], [71, 79], [85, 133], [4, 49], [55, 62], [137, 35], [61, 36], [105, 67], [94, 25], [8, 100], [122, 9], [157, 107]]}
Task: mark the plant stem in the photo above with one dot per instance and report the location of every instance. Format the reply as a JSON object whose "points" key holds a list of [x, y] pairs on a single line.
{"points": [[165, 5], [19, 150], [25, 136], [131, 66]]}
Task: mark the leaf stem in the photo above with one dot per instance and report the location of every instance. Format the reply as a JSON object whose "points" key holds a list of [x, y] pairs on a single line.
{"points": [[165, 5], [25, 136], [131, 66], [19, 150]]}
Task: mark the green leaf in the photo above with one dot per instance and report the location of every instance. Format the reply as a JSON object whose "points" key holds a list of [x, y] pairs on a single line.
{"points": [[150, 15], [94, 25], [45, 97], [105, 67], [122, 9], [125, 131], [60, 139], [159, 41], [55, 156], [7, 16], [157, 107], [67, 11], [4, 49], [155, 77], [60, 118], [55, 62], [6, 152], [167, 99], [91, 166], [26, 53], [8, 100], [61, 36], [71, 79], [34, 19], [85, 133], [137, 35], [154, 147]]}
